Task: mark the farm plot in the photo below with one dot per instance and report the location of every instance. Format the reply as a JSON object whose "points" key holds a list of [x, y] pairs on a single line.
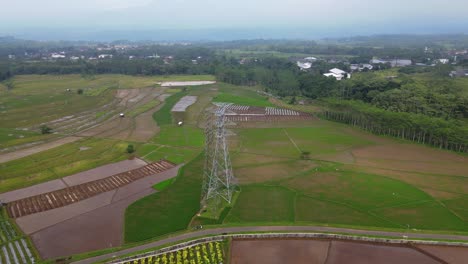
{"points": [[13, 247], [242, 113], [281, 184], [73, 194], [278, 251], [204, 253], [60, 161]]}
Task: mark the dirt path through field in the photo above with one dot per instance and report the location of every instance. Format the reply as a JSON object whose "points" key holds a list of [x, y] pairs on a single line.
{"points": [[36, 149]]}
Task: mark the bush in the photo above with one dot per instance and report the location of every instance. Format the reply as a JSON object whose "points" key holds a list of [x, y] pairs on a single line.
{"points": [[80, 91], [305, 155], [130, 149], [45, 130]]}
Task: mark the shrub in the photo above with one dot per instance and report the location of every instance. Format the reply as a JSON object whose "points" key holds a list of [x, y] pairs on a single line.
{"points": [[45, 130], [130, 149]]}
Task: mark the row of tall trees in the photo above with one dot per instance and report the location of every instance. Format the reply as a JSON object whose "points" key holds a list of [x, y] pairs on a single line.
{"points": [[438, 132]]}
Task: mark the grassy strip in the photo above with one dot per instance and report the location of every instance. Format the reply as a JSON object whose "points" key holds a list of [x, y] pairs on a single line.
{"points": [[168, 211], [163, 185], [242, 100], [143, 108], [60, 161], [163, 116]]}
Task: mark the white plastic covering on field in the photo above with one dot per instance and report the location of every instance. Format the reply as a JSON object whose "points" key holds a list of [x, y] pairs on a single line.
{"points": [[191, 83], [281, 112], [184, 103]]}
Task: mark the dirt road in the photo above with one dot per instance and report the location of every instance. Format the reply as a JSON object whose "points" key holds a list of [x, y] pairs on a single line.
{"points": [[218, 231]]}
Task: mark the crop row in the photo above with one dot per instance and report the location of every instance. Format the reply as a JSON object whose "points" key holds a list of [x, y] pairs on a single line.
{"points": [[16, 252], [207, 253], [7, 232]]}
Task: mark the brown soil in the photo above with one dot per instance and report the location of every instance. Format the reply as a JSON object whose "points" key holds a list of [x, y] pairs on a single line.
{"points": [[338, 252], [33, 190], [98, 229], [91, 224], [440, 195], [452, 255], [140, 128], [345, 157], [358, 253], [411, 157], [145, 126], [103, 171], [271, 171], [74, 194], [243, 159], [455, 185], [278, 251]]}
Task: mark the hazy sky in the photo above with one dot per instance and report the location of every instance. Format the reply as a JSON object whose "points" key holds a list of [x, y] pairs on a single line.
{"points": [[199, 14]]}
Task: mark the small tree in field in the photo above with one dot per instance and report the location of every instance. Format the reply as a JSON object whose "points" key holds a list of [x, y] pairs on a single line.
{"points": [[130, 149], [79, 91], [305, 155], [45, 130]]}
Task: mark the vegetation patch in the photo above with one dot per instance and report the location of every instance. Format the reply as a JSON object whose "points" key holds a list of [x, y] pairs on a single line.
{"points": [[263, 204], [167, 211], [241, 100], [163, 185], [312, 210], [60, 162], [430, 215], [164, 116], [144, 108]]}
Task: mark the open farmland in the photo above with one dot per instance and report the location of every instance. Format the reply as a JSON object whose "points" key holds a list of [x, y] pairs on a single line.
{"points": [[347, 178], [278, 251], [291, 171], [54, 101], [14, 247]]}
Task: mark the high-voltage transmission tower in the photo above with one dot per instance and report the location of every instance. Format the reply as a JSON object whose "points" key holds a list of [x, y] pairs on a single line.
{"points": [[218, 180]]}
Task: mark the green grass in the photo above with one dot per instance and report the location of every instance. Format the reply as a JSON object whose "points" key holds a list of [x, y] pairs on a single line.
{"points": [[95, 91], [59, 162], [312, 210], [164, 116], [183, 136], [173, 154], [174, 143], [163, 185], [263, 204], [37, 99], [10, 137], [430, 215], [144, 108], [325, 138], [241, 100], [167, 211]]}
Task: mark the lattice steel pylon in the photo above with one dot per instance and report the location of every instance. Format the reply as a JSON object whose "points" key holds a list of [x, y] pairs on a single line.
{"points": [[218, 179]]}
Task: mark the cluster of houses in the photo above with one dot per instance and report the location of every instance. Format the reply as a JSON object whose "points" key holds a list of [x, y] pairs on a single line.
{"points": [[307, 63]]}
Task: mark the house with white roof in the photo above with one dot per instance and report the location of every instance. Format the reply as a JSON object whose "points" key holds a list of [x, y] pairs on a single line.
{"points": [[57, 56], [304, 65], [337, 74]]}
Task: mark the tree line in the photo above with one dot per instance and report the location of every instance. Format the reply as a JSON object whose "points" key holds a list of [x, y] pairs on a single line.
{"points": [[449, 134]]}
